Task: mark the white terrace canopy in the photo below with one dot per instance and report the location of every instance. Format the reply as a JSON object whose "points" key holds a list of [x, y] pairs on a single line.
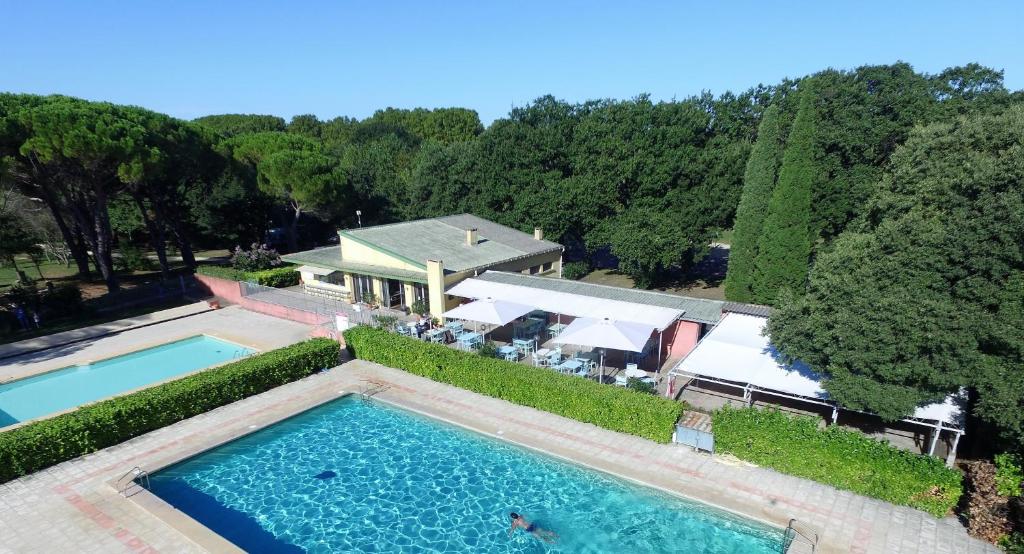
{"points": [[736, 353], [489, 310], [565, 303]]}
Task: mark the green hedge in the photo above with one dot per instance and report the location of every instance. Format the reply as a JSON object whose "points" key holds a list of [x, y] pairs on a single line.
{"points": [[38, 445], [279, 277], [614, 408], [839, 457]]}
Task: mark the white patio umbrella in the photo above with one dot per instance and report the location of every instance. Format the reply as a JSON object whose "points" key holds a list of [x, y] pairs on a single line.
{"points": [[489, 310], [606, 333]]}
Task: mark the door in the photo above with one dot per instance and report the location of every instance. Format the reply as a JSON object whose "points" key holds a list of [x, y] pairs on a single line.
{"points": [[396, 293]]}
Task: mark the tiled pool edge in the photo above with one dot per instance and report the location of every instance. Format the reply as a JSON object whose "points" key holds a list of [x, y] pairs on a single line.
{"points": [[76, 497]]}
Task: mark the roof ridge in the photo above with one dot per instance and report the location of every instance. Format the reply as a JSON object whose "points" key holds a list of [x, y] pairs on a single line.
{"points": [[641, 291]]}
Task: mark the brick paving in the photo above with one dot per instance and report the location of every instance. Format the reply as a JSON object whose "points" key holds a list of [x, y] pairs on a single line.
{"points": [[73, 506]]}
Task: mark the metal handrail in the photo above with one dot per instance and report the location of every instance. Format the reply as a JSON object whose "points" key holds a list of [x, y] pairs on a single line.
{"points": [[137, 474], [791, 533]]}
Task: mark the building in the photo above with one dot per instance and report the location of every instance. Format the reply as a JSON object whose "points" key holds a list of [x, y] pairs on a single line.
{"points": [[398, 264], [678, 321]]}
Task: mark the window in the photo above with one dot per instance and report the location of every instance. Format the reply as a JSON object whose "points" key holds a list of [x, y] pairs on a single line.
{"points": [[546, 266], [363, 285], [535, 269], [420, 290]]}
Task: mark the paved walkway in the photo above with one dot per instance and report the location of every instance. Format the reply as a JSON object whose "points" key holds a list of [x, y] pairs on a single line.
{"points": [[94, 331], [73, 506], [258, 331]]}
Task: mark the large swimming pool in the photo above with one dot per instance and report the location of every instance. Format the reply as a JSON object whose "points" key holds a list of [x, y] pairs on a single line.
{"points": [[73, 386], [355, 476]]}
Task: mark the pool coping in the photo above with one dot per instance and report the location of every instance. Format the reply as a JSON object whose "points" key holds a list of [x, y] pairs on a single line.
{"points": [[148, 345], [211, 541]]}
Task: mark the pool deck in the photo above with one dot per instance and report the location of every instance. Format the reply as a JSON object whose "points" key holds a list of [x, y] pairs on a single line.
{"points": [[74, 506], [232, 324]]}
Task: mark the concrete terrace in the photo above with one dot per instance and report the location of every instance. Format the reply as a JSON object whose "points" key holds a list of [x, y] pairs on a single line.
{"points": [[74, 507], [258, 331]]}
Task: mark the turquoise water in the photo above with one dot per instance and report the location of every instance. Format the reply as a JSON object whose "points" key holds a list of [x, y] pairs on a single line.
{"points": [[76, 385], [354, 476]]}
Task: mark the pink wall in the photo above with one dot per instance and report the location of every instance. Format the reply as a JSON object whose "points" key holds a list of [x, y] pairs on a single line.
{"points": [[679, 339], [230, 291]]}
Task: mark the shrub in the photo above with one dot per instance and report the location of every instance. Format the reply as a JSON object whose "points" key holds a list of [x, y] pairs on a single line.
{"points": [[613, 408], [488, 350], [1009, 474], [279, 277], [575, 270], [640, 385], [419, 307], [839, 457], [257, 258], [132, 258], [38, 445]]}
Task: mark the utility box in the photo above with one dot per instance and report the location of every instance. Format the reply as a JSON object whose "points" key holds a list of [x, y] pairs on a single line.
{"points": [[694, 430]]}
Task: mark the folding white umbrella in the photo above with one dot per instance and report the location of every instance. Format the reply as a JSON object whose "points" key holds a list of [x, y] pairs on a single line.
{"points": [[489, 310], [606, 333]]}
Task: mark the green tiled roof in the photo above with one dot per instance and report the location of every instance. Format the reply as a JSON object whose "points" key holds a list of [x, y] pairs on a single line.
{"points": [[330, 258], [694, 309], [444, 239]]}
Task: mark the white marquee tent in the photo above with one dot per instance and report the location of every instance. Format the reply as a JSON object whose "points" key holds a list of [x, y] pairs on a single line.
{"points": [[736, 353], [489, 310]]}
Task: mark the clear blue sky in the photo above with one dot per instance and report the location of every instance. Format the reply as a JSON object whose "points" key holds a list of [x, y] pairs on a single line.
{"points": [[191, 58]]}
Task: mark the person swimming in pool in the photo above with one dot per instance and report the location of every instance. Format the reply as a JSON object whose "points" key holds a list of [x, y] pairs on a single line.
{"points": [[519, 522]]}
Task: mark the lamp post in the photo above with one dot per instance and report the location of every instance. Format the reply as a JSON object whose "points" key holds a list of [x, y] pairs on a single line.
{"points": [[359, 217]]}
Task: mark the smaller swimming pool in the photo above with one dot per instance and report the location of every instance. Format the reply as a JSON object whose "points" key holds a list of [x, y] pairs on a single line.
{"points": [[73, 386]]}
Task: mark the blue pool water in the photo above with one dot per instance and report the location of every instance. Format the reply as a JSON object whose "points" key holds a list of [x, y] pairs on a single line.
{"points": [[76, 385], [352, 476]]}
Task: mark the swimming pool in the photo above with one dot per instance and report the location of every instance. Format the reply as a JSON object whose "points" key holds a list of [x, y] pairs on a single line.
{"points": [[73, 386], [354, 476]]}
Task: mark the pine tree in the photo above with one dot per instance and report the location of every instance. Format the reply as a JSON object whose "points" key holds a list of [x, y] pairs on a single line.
{"points": [[758, 184], [784, 248]]}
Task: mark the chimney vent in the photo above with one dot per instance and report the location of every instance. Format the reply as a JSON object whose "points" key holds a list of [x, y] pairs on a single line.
{"points": [[471, 237], [538, 233]]}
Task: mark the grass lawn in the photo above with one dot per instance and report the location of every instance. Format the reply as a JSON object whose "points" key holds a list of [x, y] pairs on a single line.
{"points": [[705, 281], [51, 270]]}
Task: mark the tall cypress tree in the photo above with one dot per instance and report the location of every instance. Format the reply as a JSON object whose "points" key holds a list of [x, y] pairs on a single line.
{"points": [[758, 183], [784, 248]]}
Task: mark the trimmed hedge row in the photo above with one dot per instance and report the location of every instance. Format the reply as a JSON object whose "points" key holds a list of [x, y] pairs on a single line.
{"points": [[39, 445], [278, 277], [613, 408], [839, 457]]}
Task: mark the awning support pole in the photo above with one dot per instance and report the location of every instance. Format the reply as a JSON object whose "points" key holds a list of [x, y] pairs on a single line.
{"points": [[835, 414], [747, 396], [658, 369], [935, 439], [951, 456]]}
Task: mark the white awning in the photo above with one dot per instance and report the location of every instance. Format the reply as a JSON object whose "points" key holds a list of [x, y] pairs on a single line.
{"points": [[567, 303], [736, 350], [314, 270], [606, 333], [489, 310]]}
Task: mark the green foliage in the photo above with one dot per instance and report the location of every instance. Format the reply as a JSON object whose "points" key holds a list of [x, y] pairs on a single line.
{"points": [[758, 184], [133, 258], [912, 308], [419, 307], [1012, 543], [488, 350], [258, 257], [230, 125], [1009, 474], [575, 270], [843, 458], [625, 411], [639, 385], [279, 277], [784, 248], [41, 444], [386, 322]]}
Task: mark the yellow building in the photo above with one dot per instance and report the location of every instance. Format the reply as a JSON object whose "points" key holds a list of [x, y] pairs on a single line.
{"points": [[398, 264]]}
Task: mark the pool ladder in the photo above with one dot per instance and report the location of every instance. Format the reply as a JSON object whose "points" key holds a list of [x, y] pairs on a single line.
{"points": [[139, 477], [371, 390], [798, 539], [239, 354]]}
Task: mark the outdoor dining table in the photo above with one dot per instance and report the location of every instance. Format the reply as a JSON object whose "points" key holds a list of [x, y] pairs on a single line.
{"points": [[556, 329], [468, 339], [509, 352], [436, 335], [589, 358], [523, 345], [574, 366]]}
